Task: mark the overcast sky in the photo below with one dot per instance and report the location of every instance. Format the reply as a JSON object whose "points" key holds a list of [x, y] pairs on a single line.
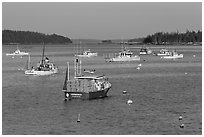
{"points": [[102, 20]]}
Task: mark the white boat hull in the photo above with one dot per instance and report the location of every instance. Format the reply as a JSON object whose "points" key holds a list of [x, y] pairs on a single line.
{"points": [[145, 53], [173, 57], [135, 58], [89, 55], [13, 54], [41, 73], [162, 54]]}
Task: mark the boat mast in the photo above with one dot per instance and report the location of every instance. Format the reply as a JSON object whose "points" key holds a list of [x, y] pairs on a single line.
{"points": [[66, 78], [29, 61], [42, 62]]}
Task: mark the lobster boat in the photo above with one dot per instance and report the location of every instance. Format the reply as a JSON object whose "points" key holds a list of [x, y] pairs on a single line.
{"points": [[17, 53], [85, 86], [145, 51], [125, 55], [163, 52], [173, 55], [88, 53], [44, 67]]}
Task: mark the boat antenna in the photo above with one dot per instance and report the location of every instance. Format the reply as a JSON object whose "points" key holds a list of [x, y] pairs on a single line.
{"points": [[75, 67], [77, 47], [122, 48], [80, 51], [80, 67]]}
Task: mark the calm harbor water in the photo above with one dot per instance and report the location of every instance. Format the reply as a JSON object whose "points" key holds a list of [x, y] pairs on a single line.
{"points": [[161, 90]]}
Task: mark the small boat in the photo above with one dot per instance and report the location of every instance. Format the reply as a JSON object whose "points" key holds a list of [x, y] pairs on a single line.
{"points": [[89, 71], [85, 86], [145, 51], [173, 55], [125, 55], [163, 52], [17, 53], [44, 67], [87, 53]]}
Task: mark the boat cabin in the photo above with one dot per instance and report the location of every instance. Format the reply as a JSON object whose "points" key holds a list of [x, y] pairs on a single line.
{"points": [[125, 53], [87, 84]]}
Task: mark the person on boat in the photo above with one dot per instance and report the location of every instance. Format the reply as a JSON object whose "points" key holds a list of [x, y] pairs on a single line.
{"points": [[47, 60], [32, 68]]}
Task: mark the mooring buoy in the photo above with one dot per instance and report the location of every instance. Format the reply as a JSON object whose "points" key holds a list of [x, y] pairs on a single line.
{"points": [[138, 68], [129, 102], [182, 126], [180, 118], [78, 119], [124, 92]]}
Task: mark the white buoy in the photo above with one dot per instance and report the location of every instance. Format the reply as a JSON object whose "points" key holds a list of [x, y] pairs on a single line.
{"points": [[194, 56], [180, 118], [186, 73], [78, 120], [124, 92], [139, 65], [138, 68], [182, 126], [129, 102]]}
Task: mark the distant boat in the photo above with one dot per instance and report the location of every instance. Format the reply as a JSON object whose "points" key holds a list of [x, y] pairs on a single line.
{"points": [[87, 53], [89, 71], [173, 55], [125, 55], [17, 53], [45, 67], [145, 51], [163, 52], [85, 86]]}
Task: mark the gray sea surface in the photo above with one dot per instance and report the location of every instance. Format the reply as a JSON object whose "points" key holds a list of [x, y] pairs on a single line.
{"points": [[161, 90]]}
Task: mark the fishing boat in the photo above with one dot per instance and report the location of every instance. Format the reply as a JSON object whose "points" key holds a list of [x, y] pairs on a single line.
{"points": [[163, 52], [173, 55], [44, 67], [87, 53], [85, 86], [17, 53], [125, 55], [145, 51]]}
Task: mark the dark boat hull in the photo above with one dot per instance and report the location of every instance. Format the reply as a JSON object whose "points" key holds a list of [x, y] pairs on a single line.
{"points": [[85, 95]]}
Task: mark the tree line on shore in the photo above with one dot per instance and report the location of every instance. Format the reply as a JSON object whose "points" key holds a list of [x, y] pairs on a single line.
{"points": [[27, 37], [161, 38]]}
